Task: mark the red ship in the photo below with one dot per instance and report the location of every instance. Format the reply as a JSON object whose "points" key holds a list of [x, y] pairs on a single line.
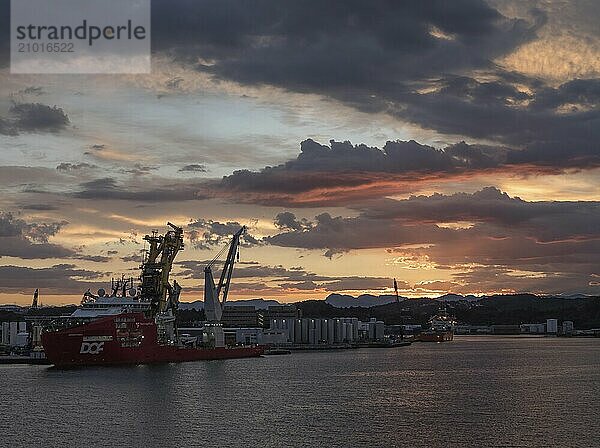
{"points": [[141, 329], [128, 338]]}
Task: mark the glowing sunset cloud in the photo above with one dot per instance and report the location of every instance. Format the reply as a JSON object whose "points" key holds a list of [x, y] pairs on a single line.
{"points": [[455, 148]]}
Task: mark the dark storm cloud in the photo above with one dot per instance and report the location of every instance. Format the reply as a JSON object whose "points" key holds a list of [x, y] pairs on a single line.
{"points": [[29, 240], [429, 63], [67, 166], [252, 269], [483, 280], [39, 207], [305, 172], [206, 233], [546, 220], [33, 117], [109, 188], [557, 127], [355, 168], [295, 278], [496, 222], [58, 279], [24, 248], [138, 169], [39, 232], [537, 243], [338, 234], [94, 258], [336, 284], [311, 45], [193, 168], [132, 258], [288, 221]]}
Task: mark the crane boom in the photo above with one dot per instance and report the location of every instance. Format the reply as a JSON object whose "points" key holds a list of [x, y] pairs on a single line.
{"points": [[215, 296], [156, 268]]}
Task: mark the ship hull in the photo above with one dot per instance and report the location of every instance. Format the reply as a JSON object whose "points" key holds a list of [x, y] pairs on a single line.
{"points": [[437, 336], [128, 338]]}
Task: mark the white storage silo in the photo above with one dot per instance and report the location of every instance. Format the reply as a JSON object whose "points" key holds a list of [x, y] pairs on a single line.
{"points": [[339, 330], [317, 330], [6, 333], [305, 328], [379, 330], [14, 330], [349, 332], [324, 330], [330, 331], [297, 331], [355, 325], [552, 326]]}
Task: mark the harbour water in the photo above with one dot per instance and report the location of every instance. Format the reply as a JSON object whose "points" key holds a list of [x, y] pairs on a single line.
{"points": [[474, 391]]}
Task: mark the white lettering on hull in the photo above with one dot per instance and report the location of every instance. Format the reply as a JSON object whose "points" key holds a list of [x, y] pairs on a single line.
{"points": [[92, 348]]}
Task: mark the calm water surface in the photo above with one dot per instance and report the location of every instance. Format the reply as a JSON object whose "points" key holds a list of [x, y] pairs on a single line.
{"points": [[475, 392]]}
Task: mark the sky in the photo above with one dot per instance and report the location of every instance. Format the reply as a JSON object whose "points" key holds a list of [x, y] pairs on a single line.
{"points": [[454, 146]]}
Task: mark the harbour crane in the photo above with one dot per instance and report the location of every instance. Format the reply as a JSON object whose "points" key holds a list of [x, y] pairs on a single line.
{"points": [[216, 295]]}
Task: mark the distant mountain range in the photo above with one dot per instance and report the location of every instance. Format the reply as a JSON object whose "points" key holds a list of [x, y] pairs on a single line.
{"points": [[261, 304], [369, 300], [335, 300], [346, 301], [343, 301]]}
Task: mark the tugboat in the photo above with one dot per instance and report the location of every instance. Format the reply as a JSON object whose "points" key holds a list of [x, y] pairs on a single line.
{"points": [[136, 325], [441, 328]]}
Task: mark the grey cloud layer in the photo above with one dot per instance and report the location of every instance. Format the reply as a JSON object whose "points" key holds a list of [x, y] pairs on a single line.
{"points": [[57, 279], [25, 240], [414, 220], [545, 240], [430, 63], [33, 117], [109, 188], [295, 278], [207, 233], [338, 45]]}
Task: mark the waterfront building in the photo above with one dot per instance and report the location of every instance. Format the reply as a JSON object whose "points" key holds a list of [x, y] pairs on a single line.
{"points": [[552, 326], [533, 328], [567, 327], [249, 316], [328, 331]]}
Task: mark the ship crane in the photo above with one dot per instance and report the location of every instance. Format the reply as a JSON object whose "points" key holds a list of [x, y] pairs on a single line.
{"points": [[216, 295], [155, 286]]}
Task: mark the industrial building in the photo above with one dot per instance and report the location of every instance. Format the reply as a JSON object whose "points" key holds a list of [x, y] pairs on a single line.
{"points": [[552, 326], [244, 316], [315, 331], [533, 328], [568, 327], [14, 334]]}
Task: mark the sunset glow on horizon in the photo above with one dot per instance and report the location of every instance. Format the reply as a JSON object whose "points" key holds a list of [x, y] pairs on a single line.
{"points": [[457, 151]]}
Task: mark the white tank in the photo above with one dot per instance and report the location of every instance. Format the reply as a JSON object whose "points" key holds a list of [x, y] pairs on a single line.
{"points": [[552, 326]]}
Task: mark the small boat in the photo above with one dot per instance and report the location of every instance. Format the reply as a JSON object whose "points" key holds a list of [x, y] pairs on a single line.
{"points": [[441, 328]]}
